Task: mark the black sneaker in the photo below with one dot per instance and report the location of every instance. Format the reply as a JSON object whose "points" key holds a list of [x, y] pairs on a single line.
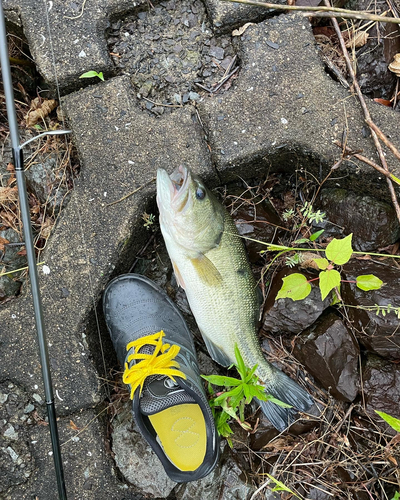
{"points": [[156, 349]]}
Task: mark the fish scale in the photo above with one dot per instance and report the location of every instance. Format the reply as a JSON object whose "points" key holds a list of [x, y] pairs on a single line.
{"points": [[210, 263]]}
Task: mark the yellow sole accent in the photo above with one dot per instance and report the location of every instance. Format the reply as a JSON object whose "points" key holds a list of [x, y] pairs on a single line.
{"points": [[182, 432]]}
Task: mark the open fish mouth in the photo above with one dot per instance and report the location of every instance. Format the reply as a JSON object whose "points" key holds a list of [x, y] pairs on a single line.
{"points": [[173, 189]]}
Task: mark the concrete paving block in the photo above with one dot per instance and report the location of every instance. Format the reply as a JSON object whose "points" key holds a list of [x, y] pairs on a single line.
{"points": [[120, 148], [284, 112], [88, 469], [226, 15], [67, 40]]}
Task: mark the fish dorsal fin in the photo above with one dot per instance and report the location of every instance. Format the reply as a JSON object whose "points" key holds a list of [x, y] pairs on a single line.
{"points": [[216, 353], [206, 270]]}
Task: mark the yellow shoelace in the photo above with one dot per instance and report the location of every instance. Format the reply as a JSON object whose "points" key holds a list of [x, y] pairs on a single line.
{"points": [[161, 362]]}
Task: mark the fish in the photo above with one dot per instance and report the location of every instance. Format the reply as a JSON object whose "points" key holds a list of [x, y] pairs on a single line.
{"points": [[210, 263]]}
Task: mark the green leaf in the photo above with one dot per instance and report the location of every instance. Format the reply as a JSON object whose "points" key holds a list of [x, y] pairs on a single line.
{"points": [[300, 241], [279, 486], [228, 409], [295, 287], [336, 298], [392, 421], [222, 380], [316, 235], [277, 401], [327, 281], [250, 375], [223, 428], [247, 394], [240, 363], [396, 496], [339, 251], [369, 282], [93, 74], [321, 263], [257, 392]]}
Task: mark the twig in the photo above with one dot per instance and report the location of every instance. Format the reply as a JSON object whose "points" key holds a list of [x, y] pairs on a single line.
{"points": [[327, 11], [366, 113], [204, 88], [369, 162], [215, 89], [383, 138], [79, 15], [131, 193]]}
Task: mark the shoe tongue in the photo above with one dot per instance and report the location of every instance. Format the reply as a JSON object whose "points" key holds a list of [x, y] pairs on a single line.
{"points": [[160, 392]]}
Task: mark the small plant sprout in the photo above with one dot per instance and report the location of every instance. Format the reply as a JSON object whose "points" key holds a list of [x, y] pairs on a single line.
{"points": [[279, 486], [237, 393], [149, 220], [337, 253], [309, 214], [93, 74]]}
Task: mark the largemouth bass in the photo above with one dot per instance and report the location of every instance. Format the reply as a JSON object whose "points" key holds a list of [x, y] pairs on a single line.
{"points": [[210, 263]]}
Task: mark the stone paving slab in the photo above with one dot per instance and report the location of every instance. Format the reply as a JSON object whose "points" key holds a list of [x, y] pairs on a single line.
{"points": [[226, 15], [284, 112], [65, 48], [89, 472], [120, 148]]}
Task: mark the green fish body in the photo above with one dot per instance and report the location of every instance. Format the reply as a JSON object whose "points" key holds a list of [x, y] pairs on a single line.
{"points": [[210, 263]]}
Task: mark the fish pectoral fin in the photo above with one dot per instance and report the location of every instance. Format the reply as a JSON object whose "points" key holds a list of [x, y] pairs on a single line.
{"points": [[216, 353], [178, 276], [206, 270]]}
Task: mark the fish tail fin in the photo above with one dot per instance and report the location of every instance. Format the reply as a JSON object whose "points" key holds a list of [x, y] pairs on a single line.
{"points": [[287, 390]]}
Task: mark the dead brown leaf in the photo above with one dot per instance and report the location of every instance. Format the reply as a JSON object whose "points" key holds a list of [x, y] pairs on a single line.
{"points": [[73, 426], [47, 226], [307, 260], [40, 108], [8, 194], [3, 242], [355, 39]]}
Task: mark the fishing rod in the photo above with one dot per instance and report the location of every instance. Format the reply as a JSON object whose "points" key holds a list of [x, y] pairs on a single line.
{"points": [[30, 250]]}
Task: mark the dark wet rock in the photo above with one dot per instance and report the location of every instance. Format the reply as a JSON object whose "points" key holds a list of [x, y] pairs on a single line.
{"points": [[136, 460], [256, 220], [373, 223], [373, 58], [45, 179], [330, 354], [381, 382], [10, 260], [16, 461], [288, 316], [272, 495], [228, 481], [264, 433], [377, 333], [319, 494]]}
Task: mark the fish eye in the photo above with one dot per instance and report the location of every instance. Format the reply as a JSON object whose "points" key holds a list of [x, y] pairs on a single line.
{"points": [[200, 193]]}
